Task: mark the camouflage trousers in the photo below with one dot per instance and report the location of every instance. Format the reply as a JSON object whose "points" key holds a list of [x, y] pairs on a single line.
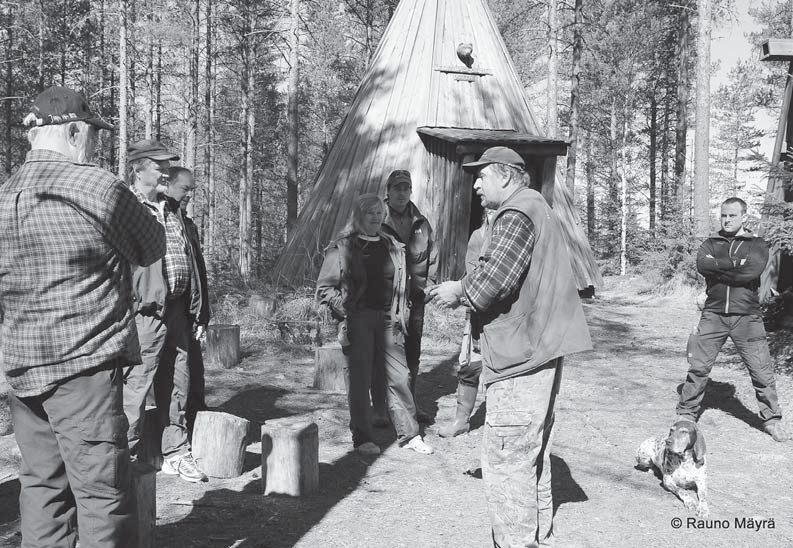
{"points": [[516, 457]]}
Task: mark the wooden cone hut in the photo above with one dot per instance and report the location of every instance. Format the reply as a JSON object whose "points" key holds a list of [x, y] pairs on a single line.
{"points": [[423, 107]]}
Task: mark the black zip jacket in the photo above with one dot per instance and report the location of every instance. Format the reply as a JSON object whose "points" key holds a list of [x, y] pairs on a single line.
{"points": [[732, 267]]}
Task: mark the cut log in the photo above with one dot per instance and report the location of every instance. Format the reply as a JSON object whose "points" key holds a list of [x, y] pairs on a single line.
{"points": [[330, 365], [144, 485], [262, 306], [150, 445], [219, 441], [223, 345], [290, 457]]}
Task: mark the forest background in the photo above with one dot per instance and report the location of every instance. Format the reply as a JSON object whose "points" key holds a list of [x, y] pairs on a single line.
{"points": [[251, 93]]}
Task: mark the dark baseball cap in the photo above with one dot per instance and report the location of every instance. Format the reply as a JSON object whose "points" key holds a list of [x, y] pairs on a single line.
{"points": [[497, 155], [399, 176], [150, 148], [60, 105]]}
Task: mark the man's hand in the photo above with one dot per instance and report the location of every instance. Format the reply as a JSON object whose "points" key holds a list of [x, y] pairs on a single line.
{"points": [[199, 332], [447, 294]]}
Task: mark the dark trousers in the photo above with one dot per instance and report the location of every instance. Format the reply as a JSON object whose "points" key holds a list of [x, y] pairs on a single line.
{"points": [[376, 362], [516, 456], [748, 334], [196, 394], [413, 340], [75, 472]]}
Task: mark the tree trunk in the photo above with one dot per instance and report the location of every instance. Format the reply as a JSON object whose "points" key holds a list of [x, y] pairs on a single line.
{"points": [[122, 84], [292, 114], [653, 158], [9, 91], [209, 162], [191, 130], [578, 46], [664, 209], [624, 198], [553, 72], [41, 46], [148, 124], [590, 190], [614, 176], [682, 103], [702, 138], [158, 93], [249, 125]]}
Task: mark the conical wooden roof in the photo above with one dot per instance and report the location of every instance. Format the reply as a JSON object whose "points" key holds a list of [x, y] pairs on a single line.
{"points": [[416, 79]]}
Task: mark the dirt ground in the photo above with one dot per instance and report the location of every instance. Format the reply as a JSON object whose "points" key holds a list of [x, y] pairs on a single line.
{"points": [[612, 398]]}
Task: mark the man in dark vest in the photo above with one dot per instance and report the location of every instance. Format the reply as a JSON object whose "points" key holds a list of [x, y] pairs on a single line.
{"points": [[526, 304]]}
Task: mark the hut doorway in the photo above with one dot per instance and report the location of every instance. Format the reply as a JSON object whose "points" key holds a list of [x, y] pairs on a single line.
{"points": [[460, 210]]}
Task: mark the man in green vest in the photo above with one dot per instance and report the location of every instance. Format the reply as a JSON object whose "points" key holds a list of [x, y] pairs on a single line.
{"points": [[529, 317]]}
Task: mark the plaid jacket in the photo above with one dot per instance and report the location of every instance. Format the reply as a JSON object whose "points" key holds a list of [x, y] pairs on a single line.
{"points": [[504, 264], [68, 235]]}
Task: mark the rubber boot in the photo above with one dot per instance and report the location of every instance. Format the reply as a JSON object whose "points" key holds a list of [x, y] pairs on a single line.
{"points": [[466, 398]]}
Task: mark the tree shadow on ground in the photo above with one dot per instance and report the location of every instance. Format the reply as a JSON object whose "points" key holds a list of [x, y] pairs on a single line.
{"points": [[721, 395], [247, 519]]}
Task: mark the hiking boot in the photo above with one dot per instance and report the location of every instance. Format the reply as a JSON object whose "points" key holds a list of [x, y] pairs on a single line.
{"points": [[777, 431], [184, 466], [368, 448], [418, 445]]}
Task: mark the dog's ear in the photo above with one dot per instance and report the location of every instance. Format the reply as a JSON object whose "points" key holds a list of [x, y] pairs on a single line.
{"points": [[699, 445]]}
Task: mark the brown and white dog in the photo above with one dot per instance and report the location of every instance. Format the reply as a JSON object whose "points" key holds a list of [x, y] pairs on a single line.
{"points": [[680, 459]]}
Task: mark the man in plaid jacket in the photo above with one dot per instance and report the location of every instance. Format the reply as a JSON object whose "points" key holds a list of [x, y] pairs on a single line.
{"points": [[69, 232]]}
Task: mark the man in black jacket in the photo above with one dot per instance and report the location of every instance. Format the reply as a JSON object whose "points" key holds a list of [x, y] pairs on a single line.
{"points": [[731, 262], [181, 184]]}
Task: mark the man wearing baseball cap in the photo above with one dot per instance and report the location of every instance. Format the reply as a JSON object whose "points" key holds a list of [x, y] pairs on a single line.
{"points": [[529, 316], [162, 294], [69, 232], [406, 223]]}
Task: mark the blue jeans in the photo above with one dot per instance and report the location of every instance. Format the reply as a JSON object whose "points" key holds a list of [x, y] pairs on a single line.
{"points": [[748, 334], [75, 464], [516, 456]]}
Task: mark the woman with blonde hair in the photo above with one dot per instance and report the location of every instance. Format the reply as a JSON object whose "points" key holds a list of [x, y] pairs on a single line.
{"points": [[364, 282]]}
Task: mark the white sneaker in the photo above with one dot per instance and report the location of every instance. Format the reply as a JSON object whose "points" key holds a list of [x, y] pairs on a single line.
{"points": [[184, 466], [368, 448], [418, 445]]}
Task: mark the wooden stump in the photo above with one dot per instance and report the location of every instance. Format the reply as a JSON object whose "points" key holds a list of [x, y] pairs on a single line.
{"points": [[223, 345], [150, 444], [219, 441], [144, 485], [290, 457], [262, 306], [329, 368]]}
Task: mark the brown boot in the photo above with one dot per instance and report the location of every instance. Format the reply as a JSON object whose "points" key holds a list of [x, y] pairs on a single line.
{"points": [[466, 398]]}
